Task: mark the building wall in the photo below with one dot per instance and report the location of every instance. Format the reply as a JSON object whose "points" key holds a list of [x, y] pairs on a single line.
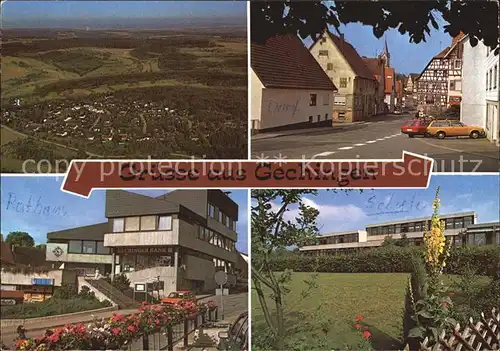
{"points": [[166, 274], [200, 269], [256, 87], [492, 123], [189, 238], [10, 278], [50, 255], [282, 107], [340, 69], [473, 106]]}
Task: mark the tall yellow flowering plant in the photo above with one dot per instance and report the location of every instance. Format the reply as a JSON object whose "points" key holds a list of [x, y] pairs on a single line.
{"points": [[436, 247]]}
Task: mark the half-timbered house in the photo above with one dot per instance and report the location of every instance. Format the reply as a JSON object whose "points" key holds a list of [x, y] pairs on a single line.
{"points": [[440, 84]]}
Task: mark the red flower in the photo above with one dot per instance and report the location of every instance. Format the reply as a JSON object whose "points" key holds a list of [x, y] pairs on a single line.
{"points": [[131, 328], [157, 322], [116, 331], [358, 326], [367, 334], [54, 337], [359, 318], [117, 317]]}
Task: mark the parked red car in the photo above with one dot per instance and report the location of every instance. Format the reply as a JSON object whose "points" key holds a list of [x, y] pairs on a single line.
{"points": [[415, 127]]}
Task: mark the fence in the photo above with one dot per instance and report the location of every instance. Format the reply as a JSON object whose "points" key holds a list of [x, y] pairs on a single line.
{"points": [[174, 334], [483, 335]]}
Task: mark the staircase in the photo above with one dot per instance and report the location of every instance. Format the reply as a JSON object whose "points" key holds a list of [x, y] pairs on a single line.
{"points": [[115, 295]]}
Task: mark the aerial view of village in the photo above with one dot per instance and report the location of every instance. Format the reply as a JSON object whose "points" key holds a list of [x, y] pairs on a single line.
{"points": [[371, 80], [122, 80]]}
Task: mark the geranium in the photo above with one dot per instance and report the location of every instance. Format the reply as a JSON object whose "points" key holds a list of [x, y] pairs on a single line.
{"points": [[358, 318], [367, 334], [115, 332], [358, 326]]}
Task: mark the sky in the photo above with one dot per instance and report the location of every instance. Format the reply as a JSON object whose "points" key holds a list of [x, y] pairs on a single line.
{"points": [[120, 9], [69, 211], [354, 210], [406, 57]]}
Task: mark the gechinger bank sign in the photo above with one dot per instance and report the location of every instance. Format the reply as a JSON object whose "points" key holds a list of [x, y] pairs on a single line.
{"points": [[411, 171]]}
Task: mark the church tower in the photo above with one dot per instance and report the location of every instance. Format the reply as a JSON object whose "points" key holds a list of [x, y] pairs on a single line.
{"points": [[385, 55]]}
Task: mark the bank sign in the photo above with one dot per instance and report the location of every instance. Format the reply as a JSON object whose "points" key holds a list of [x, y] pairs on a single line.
{"points": [[142, 250]]}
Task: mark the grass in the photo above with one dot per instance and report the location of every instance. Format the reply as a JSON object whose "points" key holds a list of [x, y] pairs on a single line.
{"points": [[378, 297], [51, 307]]}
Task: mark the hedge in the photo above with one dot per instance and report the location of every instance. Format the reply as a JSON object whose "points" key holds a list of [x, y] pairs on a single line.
{"points": [[389, 259]]}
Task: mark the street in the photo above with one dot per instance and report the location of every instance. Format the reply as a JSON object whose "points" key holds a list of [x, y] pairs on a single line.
{"points": [[380, 139]]}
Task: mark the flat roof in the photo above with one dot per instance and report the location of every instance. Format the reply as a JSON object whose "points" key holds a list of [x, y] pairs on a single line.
{"points": [[327, 235], [410, 220]]}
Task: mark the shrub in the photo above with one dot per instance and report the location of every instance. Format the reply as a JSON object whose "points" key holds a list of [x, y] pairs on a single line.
{"points": [[389, 259], [65, 292], [121, 282]]}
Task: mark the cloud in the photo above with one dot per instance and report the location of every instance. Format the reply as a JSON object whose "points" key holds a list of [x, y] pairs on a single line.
{"points": [[331, 218]]}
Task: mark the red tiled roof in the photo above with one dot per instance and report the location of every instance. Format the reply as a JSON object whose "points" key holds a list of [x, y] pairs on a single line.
{"points": [[351, 55], [375, 65], [6, 256], [389, 79], [284, 62]]}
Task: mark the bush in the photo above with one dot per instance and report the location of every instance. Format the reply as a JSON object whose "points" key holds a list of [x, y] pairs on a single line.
{"points": [[389, 259], [121, 282], [52, 307], [65, 292]]}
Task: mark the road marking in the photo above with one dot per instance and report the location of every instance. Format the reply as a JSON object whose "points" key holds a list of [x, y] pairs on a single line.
{"points": [[380, 139], [360, 144], [345, 148], [326, 153], [371, 141]]}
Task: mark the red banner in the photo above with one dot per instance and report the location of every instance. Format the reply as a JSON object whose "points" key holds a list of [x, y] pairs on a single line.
{"points": [[412, 171]]}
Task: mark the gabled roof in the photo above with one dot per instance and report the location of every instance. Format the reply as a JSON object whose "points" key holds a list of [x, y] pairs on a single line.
{"points": [[284, 62], [352, 57], [6, 256], [375, 65]]}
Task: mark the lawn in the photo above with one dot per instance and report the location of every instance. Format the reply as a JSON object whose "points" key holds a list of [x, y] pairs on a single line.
{"points": [[339, 298]]}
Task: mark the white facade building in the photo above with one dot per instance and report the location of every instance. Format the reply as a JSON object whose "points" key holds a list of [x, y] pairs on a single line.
{"points": [[288, 86], [481, 80]]}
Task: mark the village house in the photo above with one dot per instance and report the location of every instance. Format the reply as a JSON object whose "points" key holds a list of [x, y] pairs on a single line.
{"points": [[411, 90], [479, 100], [440, 83], [357, 85], [288, 86], [376, 65]]}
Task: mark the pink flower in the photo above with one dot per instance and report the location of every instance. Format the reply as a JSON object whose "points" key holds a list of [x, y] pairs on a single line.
{"points": [[367, 334], [131, 328], [54, 337], [358, 326], [116, 331], [359, 318]]}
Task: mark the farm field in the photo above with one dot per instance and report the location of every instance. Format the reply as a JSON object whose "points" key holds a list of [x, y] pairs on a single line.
{"points": [[331, 308], [128, 94]]}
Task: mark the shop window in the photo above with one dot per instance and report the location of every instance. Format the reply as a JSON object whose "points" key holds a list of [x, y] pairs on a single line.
{"points": [[165, 223], [132, 224], [89, 247], [118, 225], [75, 246], [101, 249], [148, 223]]}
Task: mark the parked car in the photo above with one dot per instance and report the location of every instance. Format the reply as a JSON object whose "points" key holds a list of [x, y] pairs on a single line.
{"points": [[415, 127], [446, 128], [177, 297], [236, 338]]}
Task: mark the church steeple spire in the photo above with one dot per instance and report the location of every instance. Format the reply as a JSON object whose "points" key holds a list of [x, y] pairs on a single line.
{"points": [[385, 55]]}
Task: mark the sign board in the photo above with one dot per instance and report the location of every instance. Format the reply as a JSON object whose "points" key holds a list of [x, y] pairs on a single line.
{"points": [[141, 287], [156, 285], [142, 250], [221, 278], [221, 292], [42, 281]]}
